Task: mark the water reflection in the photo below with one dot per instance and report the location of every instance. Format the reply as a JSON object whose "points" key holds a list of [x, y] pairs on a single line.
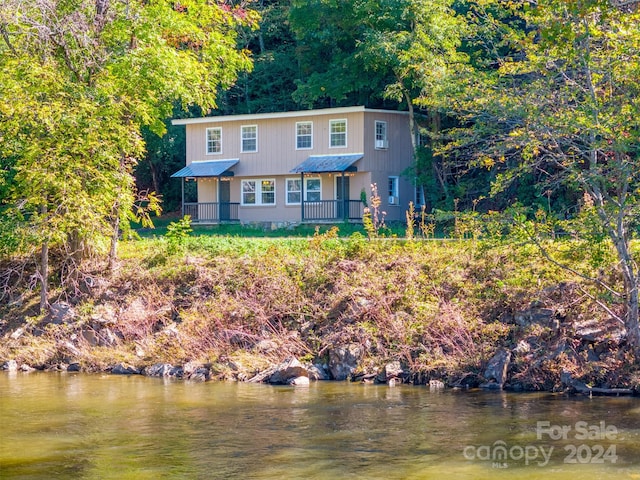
{"points": [[103, 427]]}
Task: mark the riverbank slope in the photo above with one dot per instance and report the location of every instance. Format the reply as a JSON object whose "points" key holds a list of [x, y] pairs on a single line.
{"points": [[463, 313]]}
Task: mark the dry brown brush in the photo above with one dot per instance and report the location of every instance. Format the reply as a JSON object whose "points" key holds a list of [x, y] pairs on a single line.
{"points": [[440, 308]]}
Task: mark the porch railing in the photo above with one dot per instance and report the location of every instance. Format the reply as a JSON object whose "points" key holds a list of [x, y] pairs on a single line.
{"points": [[212, 212], [333, 210], [328, 210]]}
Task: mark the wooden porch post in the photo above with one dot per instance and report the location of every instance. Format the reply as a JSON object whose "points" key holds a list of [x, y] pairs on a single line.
{"points": [[182, 179], [344, 204], [302, 196]]}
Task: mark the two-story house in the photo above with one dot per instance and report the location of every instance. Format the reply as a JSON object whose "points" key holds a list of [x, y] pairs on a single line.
{"points": [[290, 167]]}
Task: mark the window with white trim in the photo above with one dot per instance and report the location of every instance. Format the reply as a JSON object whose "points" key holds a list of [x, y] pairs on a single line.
{"points": [[337, 133], [259, 192], [294, 191], [249, 138], [214, 140], [312, 190], [304, 135], [393, 190], [381, 135]]}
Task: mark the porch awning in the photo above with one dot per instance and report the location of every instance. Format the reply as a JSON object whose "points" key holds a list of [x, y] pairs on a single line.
{"points": [[328, 163], [211, 168]]}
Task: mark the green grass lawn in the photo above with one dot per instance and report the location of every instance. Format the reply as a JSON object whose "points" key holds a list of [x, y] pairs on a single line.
{"points": [[345, 229]]}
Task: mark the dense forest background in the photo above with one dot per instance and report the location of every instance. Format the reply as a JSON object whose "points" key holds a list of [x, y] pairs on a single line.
{"points": [[319, 54]]}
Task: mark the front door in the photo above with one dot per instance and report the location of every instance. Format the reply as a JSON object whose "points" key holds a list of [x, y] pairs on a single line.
{"points": [[225, 199], [342, 207]]}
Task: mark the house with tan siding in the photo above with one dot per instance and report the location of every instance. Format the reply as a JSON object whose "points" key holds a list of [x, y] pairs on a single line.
{"points": [[292, 167]]}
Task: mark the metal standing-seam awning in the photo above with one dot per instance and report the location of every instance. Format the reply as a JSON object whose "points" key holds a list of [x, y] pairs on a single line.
{"points": [[328, 163], [213, 168]]}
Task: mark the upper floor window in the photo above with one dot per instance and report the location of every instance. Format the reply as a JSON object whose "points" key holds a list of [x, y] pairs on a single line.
{"points": [[337, 133], [381, 135], [249, 138], [214, 140], [304, 135]]}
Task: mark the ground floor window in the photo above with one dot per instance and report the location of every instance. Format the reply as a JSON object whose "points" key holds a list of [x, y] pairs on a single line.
{"points": [[312, 190], [259, 192], [393, 190]]}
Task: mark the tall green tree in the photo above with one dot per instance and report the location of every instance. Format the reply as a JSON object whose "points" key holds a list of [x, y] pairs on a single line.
{"points": [[268, 87], [564, 101], [327, 35], [79, 80], [164, 156], [371, 51], [416, 46]]}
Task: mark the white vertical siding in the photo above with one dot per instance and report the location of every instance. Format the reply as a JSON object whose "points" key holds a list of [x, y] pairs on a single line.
{"points": [[277, 153]]}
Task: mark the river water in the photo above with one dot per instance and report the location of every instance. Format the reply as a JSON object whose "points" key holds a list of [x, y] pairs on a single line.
{"points": [[79, 426]]}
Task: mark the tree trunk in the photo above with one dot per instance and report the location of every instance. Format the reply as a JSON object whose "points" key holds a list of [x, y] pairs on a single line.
{"points": [[154, 175], [617, 231], [260, 36], [439, 173], [439, 167], [44, 273], [44, 270], [412, 122], [630, 277], [115, 222], [632, 320], [113, 250]]}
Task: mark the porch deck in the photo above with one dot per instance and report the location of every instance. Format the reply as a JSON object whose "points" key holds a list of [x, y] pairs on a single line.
{"points": [[332, 210], [212, 212], [322, 210]]}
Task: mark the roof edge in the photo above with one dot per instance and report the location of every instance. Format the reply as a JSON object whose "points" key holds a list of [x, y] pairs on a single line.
{"points": [[292, 114], [215, 161], [310, 166], [361, 154]]}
